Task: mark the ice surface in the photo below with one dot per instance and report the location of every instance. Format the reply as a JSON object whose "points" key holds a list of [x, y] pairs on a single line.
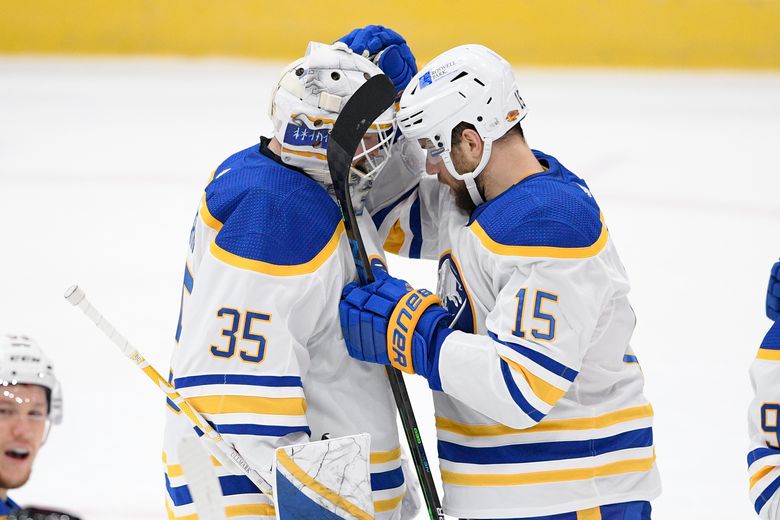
{"points": [[101, 166]]}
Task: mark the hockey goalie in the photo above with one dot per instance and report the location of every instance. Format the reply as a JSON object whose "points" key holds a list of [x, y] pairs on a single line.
{"points": [[259, 347]]}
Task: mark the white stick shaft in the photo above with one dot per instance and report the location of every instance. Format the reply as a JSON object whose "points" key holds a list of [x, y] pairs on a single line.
{"points": [[78, 298]]}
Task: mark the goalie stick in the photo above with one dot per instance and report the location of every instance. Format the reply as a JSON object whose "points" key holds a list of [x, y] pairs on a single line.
{"points": [[202, 480], [374, 97], [221, 448]]}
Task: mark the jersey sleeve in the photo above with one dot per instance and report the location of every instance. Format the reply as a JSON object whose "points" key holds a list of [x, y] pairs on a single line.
{"points": [[535, 340], [764, 427], [410, 225], [404, 204]]}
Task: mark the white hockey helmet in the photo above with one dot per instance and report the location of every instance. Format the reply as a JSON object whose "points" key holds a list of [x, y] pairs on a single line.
{"points": [[22, 362], [306, 101], [470, 84]]}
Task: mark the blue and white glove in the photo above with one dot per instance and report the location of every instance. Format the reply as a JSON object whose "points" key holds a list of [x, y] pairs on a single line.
{"points": [[773, 294], [389, 323], [387, 49]]}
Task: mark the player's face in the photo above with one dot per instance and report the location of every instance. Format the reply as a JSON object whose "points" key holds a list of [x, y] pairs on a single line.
{"points": [[434, 165], [369, 142], [23, 422]]}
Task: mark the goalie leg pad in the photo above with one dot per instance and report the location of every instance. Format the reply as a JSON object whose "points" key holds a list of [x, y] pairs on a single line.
{"points": [[324, 480]]}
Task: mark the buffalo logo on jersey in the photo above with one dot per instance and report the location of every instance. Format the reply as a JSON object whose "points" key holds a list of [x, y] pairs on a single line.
{"points": [[400, 328], [299, 133], [454, 296]]}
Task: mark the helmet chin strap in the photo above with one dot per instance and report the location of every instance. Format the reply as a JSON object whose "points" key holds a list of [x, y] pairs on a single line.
{"points": [[471, 185], [471, 178]]}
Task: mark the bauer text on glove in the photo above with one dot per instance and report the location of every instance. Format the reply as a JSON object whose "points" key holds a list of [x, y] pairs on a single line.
{"points": [[389, 323]]}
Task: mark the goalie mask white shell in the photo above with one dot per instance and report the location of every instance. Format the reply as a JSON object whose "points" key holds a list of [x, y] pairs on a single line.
{"points": [[23, 362], [308, 98], [471, 84]]}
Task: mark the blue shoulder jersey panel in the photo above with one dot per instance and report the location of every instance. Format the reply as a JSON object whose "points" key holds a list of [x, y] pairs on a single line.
{"points": [[268, 213], [553, 209], [772, 339]]}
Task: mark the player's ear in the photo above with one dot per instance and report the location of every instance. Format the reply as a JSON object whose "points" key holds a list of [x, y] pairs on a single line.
{"points": [[473, 143]]}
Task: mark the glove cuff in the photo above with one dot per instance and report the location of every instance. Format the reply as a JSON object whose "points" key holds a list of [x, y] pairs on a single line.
{"points": [[440, 333], [400, 327]]}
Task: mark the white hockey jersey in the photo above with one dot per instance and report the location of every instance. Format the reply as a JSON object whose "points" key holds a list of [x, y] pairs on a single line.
{"points": [[764, 427], [259, 346], [541, 409]]}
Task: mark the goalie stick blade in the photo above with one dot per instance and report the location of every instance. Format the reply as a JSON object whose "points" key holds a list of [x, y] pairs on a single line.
{"points": [[367, 103], [202, 480]]}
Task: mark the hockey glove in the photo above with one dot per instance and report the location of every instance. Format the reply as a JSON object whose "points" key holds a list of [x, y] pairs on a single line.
{"points": [[387, 49], [773, 294], [389, 323]]}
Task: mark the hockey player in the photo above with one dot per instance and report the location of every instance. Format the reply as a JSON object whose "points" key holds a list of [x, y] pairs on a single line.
{"points": [[259, 348], [30, 401], [764, 413], [538, 396]]}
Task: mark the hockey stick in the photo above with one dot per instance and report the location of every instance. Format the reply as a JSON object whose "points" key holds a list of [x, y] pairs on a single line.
{"points": [[202, 480], [220, 446], [374, 97]]}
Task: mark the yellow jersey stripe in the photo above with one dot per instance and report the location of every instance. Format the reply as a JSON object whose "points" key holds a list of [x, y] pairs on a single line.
{"points": [[760, 474], [395, 239], [768, 354], [381, 506], [589, 514], [542, 251], [250, 509], [175, 470], [548, 393], [380, 457], [319, 488], [207, 217], [171, 516], [588, 423], [216, 404], [230, 511], [545, 477], [280, 270]]}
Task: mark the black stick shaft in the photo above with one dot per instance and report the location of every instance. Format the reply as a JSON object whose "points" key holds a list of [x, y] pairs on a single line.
{"points": [[365, 105]]}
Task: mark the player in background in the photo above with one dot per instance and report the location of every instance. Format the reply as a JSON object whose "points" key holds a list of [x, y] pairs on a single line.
{"points": [[259, 347], [30, 402], [764, 414], [539, 405]]}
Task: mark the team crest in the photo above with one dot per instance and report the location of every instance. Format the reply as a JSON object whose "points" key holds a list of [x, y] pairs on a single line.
{"points": [[453, 295]]}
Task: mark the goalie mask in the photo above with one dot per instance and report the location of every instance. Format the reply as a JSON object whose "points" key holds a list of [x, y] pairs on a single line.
{"points": [[470, 84], [22, 362], [305, 104]]}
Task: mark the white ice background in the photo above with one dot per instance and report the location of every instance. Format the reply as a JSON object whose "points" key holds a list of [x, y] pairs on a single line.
{"points": [[102, 163]]}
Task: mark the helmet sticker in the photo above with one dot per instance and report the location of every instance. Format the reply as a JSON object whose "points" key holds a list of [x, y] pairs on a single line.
{"points": [[425, 80], [437, 73], [299, 133]]}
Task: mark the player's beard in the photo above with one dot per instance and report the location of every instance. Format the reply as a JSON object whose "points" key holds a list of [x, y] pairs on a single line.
{"points": [[458, 188], [461, 194]]}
